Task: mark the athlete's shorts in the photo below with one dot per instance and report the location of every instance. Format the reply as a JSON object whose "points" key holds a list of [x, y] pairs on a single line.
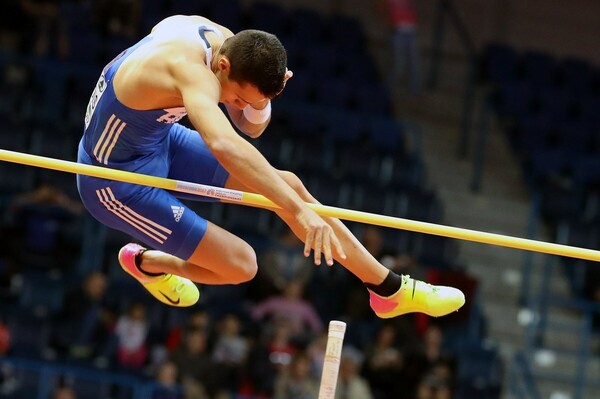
{"points": [[155, 216]]}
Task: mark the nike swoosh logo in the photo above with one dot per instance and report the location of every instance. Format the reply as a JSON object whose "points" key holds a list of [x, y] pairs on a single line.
{"points": [[169, 299]]}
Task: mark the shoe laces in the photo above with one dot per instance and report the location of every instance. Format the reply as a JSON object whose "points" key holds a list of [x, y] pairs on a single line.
{"points": [[406, 278], [179, 286]]}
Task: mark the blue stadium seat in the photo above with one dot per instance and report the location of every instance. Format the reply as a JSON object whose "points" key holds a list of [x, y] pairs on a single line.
{"points": [[306, 25], [555, 104], [334, 93], [419, 204], [346, 33], [499, 63], [88, 387], [300, 88], [576, 76], [479, 374], [386, 134], [228, 13], [373, 99], [269, 17], [29, 336], [435, 251], [76, 16], [343, 127], [41, 294], [86, 48], [515, 99], [539, 68]]}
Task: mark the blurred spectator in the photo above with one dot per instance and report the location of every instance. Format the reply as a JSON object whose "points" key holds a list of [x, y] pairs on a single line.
{"points": [[405, 44], [10, 25], [86, 321], [196, 369], [39, 215], [351, 385], [429, 357], [119, 18], [383, 364], [49, 30], [64, 393], [373, 240], [199, 319], [316, 352], [230, 352], [167, 380], [268, 357], [281, 263], [4, 338], [433, 386], [292, 309], [296, 381], [47, 194], [132, 331], [9, 271]]}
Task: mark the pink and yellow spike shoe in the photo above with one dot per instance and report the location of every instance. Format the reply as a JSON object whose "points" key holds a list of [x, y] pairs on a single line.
{"points": [[168, 288], [417, 296]]}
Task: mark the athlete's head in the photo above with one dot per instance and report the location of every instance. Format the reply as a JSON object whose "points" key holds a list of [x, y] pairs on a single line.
{"points": [[257, 58]]}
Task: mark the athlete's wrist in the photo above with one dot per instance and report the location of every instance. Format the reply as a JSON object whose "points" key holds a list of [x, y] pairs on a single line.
{"points": [[257, 116]]}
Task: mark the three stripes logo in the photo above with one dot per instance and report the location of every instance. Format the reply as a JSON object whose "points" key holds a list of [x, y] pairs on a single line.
{"points": [[177, 212]]}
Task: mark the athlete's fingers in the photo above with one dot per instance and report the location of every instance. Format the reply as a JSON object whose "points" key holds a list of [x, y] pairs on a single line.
{"points": [[308, 242], [338, 246], [327, 247], [318, 245]]}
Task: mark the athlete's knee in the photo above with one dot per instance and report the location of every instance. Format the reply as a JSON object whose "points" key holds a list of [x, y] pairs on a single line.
{"points": [[246, 265]]}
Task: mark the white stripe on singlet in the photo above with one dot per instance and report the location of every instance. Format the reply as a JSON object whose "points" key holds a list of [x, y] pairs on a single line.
{"points": [[107, 142], [207, 48], [150, 228]]}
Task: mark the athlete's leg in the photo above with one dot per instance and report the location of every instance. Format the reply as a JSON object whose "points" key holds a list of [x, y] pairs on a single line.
{"points": [[390, 295], [182, 243], [358, 260], [213, 255], [219, 258]]}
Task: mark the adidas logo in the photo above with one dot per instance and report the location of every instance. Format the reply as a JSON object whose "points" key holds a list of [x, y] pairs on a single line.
{"points": [[177, 212]]}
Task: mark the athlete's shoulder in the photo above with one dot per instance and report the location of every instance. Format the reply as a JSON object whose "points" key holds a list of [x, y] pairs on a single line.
{"points": [[178, 23]]}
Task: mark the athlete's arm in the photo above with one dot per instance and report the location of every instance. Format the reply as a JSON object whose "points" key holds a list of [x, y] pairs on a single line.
{"points": [[200, 92], [248, 128]]}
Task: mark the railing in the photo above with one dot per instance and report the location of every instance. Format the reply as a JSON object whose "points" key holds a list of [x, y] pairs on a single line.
{"points": [[521, 381], [582, 332], [47, 375], [447, 10]]}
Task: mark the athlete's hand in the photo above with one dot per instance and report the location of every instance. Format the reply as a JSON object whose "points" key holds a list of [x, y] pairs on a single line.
{"points": [[288, 75], [319, 236]]}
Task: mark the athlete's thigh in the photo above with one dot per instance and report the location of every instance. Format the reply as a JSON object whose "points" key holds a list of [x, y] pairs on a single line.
{"points": [[151, 215], [224, 253], [191, 160]]}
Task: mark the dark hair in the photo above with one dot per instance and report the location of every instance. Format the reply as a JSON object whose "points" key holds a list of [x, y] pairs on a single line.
{"points": [[257, 58]]}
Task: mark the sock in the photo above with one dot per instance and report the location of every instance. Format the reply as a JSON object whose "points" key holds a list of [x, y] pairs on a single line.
{"points": [[138, 264], [390, 285]]}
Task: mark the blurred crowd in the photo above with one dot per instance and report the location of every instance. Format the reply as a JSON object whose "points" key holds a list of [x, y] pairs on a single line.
{"points": [[268, 344], [264, 339]]}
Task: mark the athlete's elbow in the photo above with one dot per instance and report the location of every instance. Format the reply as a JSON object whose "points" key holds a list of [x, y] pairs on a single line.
{"points": [[254, 133], [221, 148]]}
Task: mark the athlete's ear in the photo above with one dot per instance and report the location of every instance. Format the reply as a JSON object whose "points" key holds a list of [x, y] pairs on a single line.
{"points": [[224, 64]]}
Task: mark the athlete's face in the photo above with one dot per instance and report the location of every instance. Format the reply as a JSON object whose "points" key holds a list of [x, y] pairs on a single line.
{"points": [[236, 94], [240, 96]]}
